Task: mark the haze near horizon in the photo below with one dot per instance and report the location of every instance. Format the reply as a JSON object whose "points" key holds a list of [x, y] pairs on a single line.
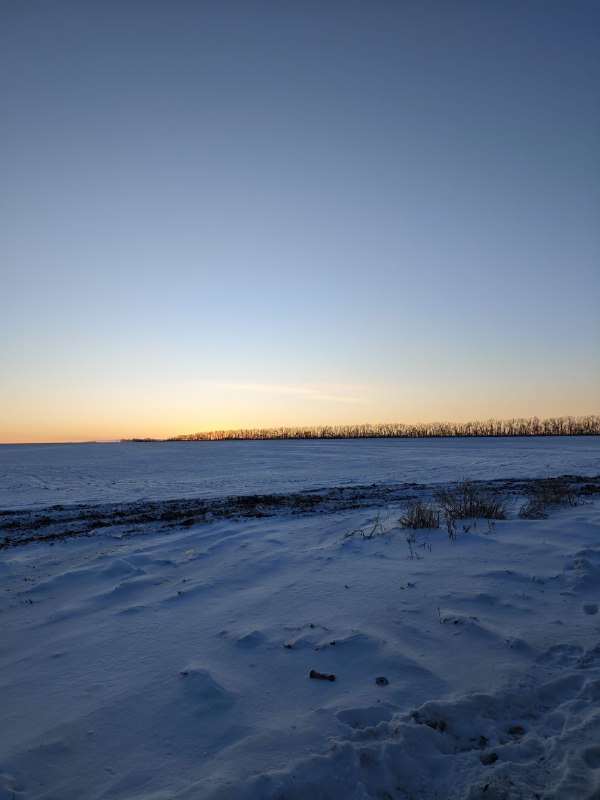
{"points": [[251, 214]]}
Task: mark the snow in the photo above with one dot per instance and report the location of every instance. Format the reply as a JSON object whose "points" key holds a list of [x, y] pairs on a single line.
{"points": [[41, 475], [172, 661]]}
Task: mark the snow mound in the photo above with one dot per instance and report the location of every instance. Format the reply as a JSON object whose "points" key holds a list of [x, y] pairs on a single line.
{"points": [[203, 690]]}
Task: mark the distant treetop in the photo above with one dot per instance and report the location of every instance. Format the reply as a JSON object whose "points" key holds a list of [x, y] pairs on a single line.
{"points": [[532, 426]]}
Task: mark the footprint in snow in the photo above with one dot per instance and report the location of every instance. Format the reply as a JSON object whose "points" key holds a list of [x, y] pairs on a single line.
{"points": [[591, 756], [364, 718]]}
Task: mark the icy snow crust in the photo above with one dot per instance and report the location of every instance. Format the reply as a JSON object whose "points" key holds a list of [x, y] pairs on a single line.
{"points": [[43, 475], [159, 659]]}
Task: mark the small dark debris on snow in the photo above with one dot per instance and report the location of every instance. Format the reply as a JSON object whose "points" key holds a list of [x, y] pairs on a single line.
{"points": [[381, 680], [322, 676]]}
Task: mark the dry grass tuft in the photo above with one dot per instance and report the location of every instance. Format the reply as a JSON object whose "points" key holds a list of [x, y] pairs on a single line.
{"points": [[547, 494], [469, 500], [419, 515]]}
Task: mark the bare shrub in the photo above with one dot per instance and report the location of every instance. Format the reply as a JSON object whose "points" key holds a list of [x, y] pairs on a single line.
{"points": [[469, 500], [547, 494], [377, 530], [420, 515]]}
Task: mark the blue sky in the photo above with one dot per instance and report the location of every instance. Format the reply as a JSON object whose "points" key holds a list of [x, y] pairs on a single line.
{"points": [[225, 214]]}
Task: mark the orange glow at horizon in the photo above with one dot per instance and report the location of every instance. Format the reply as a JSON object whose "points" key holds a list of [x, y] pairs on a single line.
{"points": [[161, 410], [107, 431]]}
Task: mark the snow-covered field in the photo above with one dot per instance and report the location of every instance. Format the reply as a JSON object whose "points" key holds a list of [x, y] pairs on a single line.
{"points": [[42, 475], [153, 658]]}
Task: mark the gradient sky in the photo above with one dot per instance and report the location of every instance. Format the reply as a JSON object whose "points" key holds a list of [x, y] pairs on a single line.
{"points": [[225, 214]]}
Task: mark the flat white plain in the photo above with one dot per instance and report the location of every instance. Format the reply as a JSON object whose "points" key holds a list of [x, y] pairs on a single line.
{"points": [[42, 475]]}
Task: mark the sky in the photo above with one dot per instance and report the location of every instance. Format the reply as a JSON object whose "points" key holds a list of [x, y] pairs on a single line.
{"points": [[221, 214]]}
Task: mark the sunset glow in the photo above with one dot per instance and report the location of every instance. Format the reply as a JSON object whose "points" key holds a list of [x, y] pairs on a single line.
{"points": [[243, 215]]}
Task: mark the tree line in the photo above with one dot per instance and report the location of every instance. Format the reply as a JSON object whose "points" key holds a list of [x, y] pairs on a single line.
{"points": [[531, 426]]}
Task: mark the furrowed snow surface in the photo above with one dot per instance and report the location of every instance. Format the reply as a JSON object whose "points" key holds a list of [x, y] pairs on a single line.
{"points": [[175, 664]]}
